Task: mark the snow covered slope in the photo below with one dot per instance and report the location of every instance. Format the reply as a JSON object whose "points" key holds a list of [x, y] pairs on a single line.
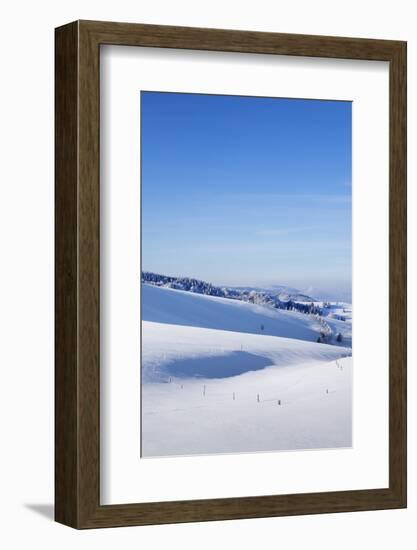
{"points": [[305, 406], [165, 305], [177, 307], [170, 351], [214, 382]]}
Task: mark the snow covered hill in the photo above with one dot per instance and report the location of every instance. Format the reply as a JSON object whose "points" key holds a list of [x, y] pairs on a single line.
{"points": [[280, 297], [175, 351], [221, 375], [165, 305], [177, 307], [306, 406], [282, 292]]}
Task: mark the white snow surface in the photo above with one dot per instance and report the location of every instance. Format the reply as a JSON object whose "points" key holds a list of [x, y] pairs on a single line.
{"points": [[170, 351], [166, 305], [225, 386]]}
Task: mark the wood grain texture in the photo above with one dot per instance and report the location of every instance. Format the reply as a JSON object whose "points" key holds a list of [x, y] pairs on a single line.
{"points": [[398, 273], [78, 285], [66, 231]]}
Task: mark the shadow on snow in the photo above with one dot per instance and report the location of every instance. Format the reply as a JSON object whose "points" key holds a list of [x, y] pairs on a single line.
{"points": [[221, 366]]}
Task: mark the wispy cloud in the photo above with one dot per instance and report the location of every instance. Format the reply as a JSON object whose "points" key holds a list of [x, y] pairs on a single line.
{"points": [[327, 198], [265, 248], [276, 232]]}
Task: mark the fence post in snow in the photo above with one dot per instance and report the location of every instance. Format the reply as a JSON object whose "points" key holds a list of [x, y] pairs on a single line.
{"points": [[234, 396], [204, 389], [257, 397], [279, 401]]}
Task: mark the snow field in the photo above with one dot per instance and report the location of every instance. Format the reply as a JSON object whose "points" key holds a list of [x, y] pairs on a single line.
{"points": [[165, 305], [198, 416], [216, 390]]}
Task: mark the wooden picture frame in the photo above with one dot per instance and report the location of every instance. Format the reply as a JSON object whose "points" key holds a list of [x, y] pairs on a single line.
{"points": [[77, 382]]}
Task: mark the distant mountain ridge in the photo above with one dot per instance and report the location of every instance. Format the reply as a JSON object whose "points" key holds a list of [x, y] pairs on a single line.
{"points": [[284, 293], [280, 298]]}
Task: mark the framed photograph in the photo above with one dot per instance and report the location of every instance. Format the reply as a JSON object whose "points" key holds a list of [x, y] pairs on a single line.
{"points": [[230, 274]]}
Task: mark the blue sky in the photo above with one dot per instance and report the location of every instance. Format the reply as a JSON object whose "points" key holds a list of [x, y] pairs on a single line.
{"points": [[247, 191]]}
